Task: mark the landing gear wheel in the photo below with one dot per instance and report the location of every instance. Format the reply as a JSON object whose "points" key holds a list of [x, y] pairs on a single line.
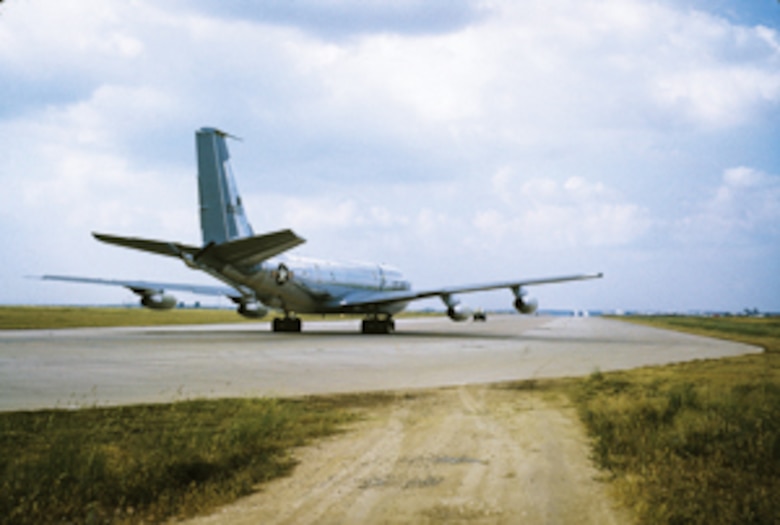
{"points": [[287, 324], [378, 326]]}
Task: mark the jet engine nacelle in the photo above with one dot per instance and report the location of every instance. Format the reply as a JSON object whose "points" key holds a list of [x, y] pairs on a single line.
{"points": [[252, 310], [459, 312], [158, 301], [526, 305]]}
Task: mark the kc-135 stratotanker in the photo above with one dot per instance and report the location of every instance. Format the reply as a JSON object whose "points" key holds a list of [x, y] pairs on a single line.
{"points": [[259, 275]]}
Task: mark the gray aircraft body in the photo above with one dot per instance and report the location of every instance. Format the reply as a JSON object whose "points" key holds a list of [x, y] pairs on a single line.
{"points": [[259, 275]]}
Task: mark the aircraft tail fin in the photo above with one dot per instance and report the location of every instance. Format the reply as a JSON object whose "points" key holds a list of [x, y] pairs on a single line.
{"points": [[222, 217]]}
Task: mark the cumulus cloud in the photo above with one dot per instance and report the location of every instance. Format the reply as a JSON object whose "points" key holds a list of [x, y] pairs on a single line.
{"points": [[744, 208], [338, 19], [528, 75], [547, 214]]}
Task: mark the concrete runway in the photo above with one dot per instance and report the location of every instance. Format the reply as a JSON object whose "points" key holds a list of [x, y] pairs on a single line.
{"points": [[105, 366]]}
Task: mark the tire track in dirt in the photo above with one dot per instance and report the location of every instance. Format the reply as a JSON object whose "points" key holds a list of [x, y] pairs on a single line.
{"points": [[471, 454]]}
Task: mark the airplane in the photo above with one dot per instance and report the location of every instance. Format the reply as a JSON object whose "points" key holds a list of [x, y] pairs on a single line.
{"points": [[258, 274]]}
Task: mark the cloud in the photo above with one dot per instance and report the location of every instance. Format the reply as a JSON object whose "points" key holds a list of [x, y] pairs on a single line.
{"points": [[530, 75], [744, 208], [719, 97], [52, 53], [338, 19], [549, 215]]}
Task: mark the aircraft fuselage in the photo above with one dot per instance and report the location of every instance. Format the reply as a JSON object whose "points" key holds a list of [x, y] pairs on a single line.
{"points": [[307, 285]]}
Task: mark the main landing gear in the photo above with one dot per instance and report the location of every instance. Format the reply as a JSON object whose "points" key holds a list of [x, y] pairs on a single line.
{"points": [[376, 325], [286, 324], [370, 325]]}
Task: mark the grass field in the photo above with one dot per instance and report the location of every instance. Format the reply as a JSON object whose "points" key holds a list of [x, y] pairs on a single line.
{"points": [[44, 317], [697, 442], [52, 317], [763, 332], [148, 463]]}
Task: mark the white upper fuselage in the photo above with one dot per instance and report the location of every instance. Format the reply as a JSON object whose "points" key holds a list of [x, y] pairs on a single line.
{"points": [[308, 285]]}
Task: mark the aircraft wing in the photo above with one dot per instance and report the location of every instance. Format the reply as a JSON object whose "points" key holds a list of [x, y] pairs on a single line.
{"points": [[380, 298], [152, 287]]}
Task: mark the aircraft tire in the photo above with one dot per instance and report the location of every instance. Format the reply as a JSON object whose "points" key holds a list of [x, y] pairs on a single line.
{"points": [[378, 326], [288, 324]]}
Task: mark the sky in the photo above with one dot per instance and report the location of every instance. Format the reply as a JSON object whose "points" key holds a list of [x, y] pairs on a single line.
{"points": [[461, 141]]}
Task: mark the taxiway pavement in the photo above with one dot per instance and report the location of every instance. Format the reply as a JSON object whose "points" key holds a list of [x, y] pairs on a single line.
{"points": [[108, 366]]}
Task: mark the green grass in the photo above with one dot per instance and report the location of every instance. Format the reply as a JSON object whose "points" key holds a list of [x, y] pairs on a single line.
{"points": [[763, 332], [45, 317], [697, 442], [149, 463], [52, 317]]}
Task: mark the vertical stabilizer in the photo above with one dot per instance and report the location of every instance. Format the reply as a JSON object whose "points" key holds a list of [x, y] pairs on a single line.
{"points": [[222, 216]]}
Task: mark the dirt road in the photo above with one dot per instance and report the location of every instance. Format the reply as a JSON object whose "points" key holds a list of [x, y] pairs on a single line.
{"points": [[470, 454]]}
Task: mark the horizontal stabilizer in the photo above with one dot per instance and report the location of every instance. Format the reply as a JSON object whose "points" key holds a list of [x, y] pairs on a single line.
{"points": [[172, 249], [253, 250], [246, 251]]}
